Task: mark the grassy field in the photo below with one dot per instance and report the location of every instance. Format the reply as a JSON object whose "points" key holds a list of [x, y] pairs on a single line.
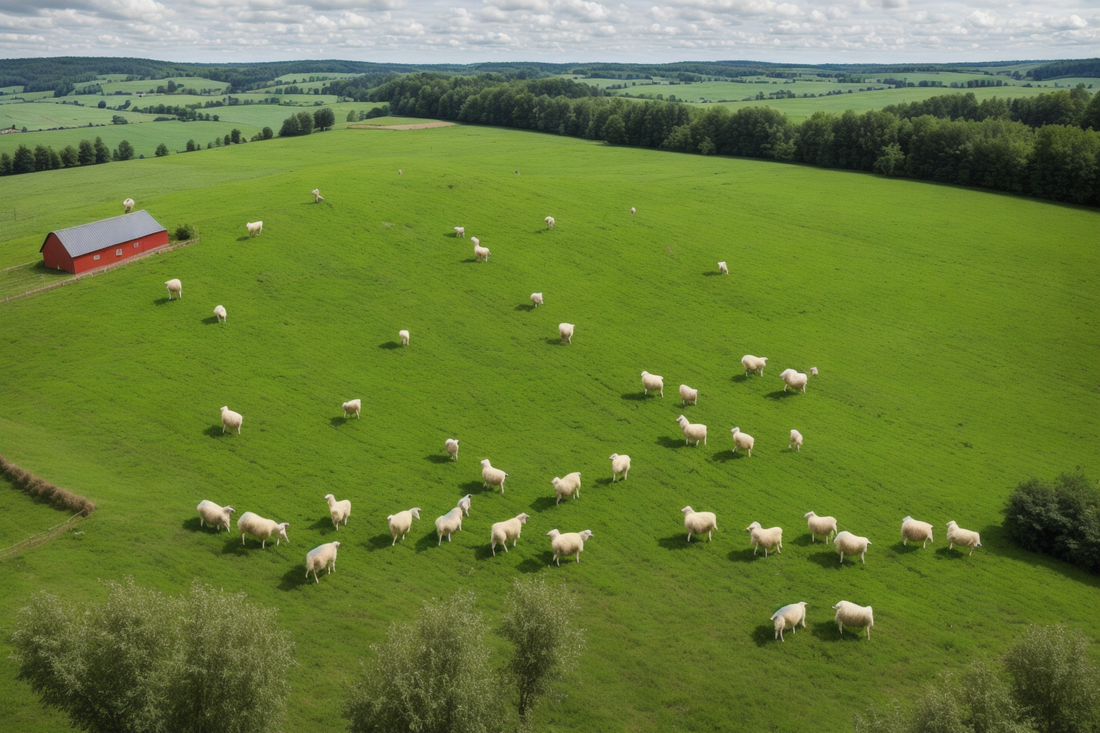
{"points": [[955, 332], [150, 85], [44, 115]]}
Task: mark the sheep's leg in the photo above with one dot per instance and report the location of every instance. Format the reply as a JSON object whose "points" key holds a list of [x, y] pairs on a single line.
{"points": [[863, 557], [842, 558], [242, 539], [689, 536], [754, 549], [971, 552], [708, 535], [493, 547]]}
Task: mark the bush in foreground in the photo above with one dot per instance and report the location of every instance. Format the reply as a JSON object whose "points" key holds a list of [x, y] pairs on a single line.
{"points": [[1060, 518]]}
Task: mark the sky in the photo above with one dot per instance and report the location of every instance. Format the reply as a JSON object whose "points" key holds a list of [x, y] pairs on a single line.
{"points": [[634, 31]]}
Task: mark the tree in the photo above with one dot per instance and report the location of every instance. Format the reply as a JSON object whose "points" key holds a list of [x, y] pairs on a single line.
{"points": [[614, 130], [267, 133], [86, 153], [6, 168], [324, 118], [1053, 681], [102, 152], [41, 158], [118, 120], [226, 141], [290, 127], [162, 150], [102, 104], [23, 160], [351, 116], [125, 150], [69, 157], [305, 123], [235, 136], [191, 146]]}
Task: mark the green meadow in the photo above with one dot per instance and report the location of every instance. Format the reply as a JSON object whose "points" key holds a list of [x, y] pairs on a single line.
{"points": [[955, 332]]}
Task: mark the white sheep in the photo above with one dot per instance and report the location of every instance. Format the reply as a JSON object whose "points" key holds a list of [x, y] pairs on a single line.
{"points": [[536, 298], [549, 222], [460, 232], [509, 529], [353, 406], [401, 522], [754, 364], [127, 205], [917, 531], [687, 394], [565, 331], [789, 617], [400, 172], [448, 524], [262, 529], [255, 228], [849, 614], [219, 311], [723, 269], [633, 210], [699, 522], [481, 253], [464, 504], [767, 538], [214, 515], [321, 557], [742, 440], [403, 334], [451, 445], [653, 382], [796, 441], [338, 510], [475, 241], [692, 431], [317, 197], [174, 286], [619, 464], [847, 543], [820, 526], [570, 543], [813, 371], [231, 419], [568, 485], [492, 475], [956, 535], [794, 380]]}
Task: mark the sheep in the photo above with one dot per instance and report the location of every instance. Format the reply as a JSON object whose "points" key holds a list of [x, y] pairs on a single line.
{"points": [[568, 485], [492, 475], [699, 522], [653, 382], [796, 441], [464, 504], [742, 440], [565, 331], [549, 222], [214, 515], [847, 543], [338, 510], [219, 311], [766, 538], [262, 529], [231, 419], [692, 431], [509, 529], [448, 524], [536, 298], [789, 617], [813, 371], [570, 543], [849, 614], [794, 380], [451, 445], [353, 406], [619, 464], [317, 197], [403, 334], [127, 205], [481, 253], [475, 241], [956, 535], [401, 522], [820, 526], [723, 269], [912, 529], [174, 286], [687, 394], [754, 364], [400, 172], [255, 228], [321, 557], [633, 211], [460, 232]]}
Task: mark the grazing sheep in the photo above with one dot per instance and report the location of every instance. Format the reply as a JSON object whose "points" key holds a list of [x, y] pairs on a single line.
{"points": [[565, 331], [255, 228], [464, 504], [127, 205], [549, 222], [214, 515], [317, 197], [262, 529], [403, 334], [766, 538], [475, 241], [692, 431], [956, 535], [338, 510], [794, 380], [633, 210], [849, 614], [687, 394], [509, 529], [699, 522], [619, 464], [754, 364], [742, 440], [847, 543], [789, 617], [723, 269], [452, 447], [653, 382], [912, 529], [448, 524], [536, 298], [796, 441], [321, 557], [460, 232], [174, 286], [353, 406], [820, 526], [492, 475], [481, 253], [568, 485], [813, 371], [219, 311], [570, 543], [231, 419], [401, 522]]}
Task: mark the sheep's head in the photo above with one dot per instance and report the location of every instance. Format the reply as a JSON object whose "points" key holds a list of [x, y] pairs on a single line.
{"points": [[586, 534], [687, 510], [751, 527], [523, 518], [553, 533], [281, 529], [807, 515], [415, 511], [485, 463]]}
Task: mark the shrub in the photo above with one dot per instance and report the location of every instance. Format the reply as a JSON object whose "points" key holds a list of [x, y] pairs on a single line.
{"points": [[184, 232], [1053, 681], [1059, 518], [58, 497], [162, 150]]}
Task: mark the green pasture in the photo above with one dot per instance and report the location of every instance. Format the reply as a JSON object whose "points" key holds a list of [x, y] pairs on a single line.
{"points": [[955, 332], [45, 115], [22, 97], [144, 137], [150, 85]]}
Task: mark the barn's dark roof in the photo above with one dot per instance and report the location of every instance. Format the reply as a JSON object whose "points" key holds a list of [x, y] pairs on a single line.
{"points": [[106, 233]]}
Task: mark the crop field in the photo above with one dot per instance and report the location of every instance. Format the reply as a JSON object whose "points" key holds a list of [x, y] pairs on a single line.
{"points": [[44, 115], [150, 85], [955, 332]]}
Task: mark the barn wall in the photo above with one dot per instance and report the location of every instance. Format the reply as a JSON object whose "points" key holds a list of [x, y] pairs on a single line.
{"points": [[54, 255], [130, 248]]}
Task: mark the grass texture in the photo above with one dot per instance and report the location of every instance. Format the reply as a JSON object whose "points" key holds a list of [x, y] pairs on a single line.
{"points": [[955, 332]]}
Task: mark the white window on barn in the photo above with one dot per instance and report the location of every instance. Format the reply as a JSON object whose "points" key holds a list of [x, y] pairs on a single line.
{"points": [[118, 252], [95, 257], [136, 245]]}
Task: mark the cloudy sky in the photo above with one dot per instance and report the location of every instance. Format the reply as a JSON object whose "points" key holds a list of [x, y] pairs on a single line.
{"points": [[465, 31]]}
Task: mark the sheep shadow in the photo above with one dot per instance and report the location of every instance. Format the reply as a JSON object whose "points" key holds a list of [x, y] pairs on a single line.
{"points": [[543, 503], [724, 455], [831, 560], [780, 395], [234, 546], [666, 442], [476, 487], [470, 261], [903, 549], [216, 431], [245, 238], [295, 578], [523, 307], [211, 320], [194, 524], [711, 273], [556, 342], [802, 540], [532, 565], [744, 555], [677, 541], [379, 542], [428, 542], [604, 482], [828, 631], [323, 525], [436, 458], [390, 345], [635, 396], [765, 634], [739, 378], [958, 553], [162, 301], [337, 421]]}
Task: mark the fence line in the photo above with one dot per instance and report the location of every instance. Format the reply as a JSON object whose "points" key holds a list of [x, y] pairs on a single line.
{"points": [[44, 536]]}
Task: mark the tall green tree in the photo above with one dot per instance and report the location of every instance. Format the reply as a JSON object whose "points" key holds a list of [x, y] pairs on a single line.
{"points": [[305, 123], [290, 127], [162, 150], [1053, 680], [23, 160], [324, 118], [86, 153], [125, 150], [6, 168], [69, 157], [102, 152]]}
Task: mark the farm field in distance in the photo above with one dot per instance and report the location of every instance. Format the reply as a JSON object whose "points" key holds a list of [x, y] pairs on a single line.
{"points": [[955, 332]]}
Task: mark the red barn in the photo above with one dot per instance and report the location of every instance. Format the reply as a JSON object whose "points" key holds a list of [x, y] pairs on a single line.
{"points": [[102, 243]]}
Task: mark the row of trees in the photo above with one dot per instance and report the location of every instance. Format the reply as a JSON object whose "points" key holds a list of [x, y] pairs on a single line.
{"points": [[303, 123], [1060, 518], [1063, 107]]}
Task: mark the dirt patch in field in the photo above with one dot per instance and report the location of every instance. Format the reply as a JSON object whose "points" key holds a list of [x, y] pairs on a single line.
{"points": [[415, 126]]}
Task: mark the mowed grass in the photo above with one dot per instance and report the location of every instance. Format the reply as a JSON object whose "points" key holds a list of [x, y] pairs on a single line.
{"points": [[955, 332]]}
